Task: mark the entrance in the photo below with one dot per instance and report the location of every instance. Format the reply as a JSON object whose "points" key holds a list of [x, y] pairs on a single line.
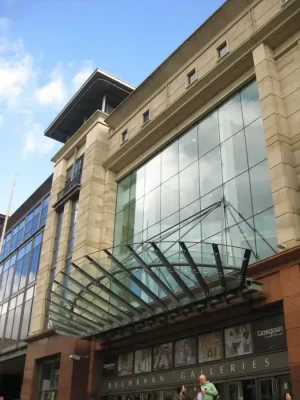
{"points": [[267, 388]]}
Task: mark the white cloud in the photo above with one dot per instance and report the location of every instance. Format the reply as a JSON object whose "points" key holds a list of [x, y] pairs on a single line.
{"points": [[14, 75], [36, 142], [82, 75], [1, 120], [58, 90], [55, 92]]}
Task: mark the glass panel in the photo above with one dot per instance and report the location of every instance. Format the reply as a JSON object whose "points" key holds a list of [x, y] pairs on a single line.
{"points": [[266, 239], [234, 159], [123, 194], [210, 171], [208, 134], [249, 392], [189, 185], [136, 212], [238, 197], [261, 187], [152, 208], [170, 161], [250, 103], [153, 173], [188, 148], [26, 319], [169, 197], [230, 118], [266, 389], [256, 142], [234, 391], [46, 370], [137, 184], [213, 222]]}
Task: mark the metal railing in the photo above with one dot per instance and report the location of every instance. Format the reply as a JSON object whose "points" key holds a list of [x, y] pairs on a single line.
{"points": [[70, 185]]}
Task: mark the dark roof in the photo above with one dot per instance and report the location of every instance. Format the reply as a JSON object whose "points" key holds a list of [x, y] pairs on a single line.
{"points": [[28, 204], [85, 102]]}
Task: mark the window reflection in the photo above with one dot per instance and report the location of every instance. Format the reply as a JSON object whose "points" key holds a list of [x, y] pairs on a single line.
{"points": [[153, 173], [210, 171], [256, 143], [250, 103], [169, 158], [169, 197], [196, 171], [189, 184], [208, 134], [234, 158], [237, 194], [261, 187], [230, 117], [188, 148]]}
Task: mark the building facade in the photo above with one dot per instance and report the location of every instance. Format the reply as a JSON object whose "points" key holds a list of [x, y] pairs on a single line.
{"points": [[171, 245], [19, 261]]}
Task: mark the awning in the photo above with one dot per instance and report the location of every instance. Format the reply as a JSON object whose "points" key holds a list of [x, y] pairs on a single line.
{"points": [[138, 285]]}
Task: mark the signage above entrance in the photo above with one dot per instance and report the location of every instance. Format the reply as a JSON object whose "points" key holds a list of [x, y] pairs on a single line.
{"points": [[269, 333], [224, 369]]}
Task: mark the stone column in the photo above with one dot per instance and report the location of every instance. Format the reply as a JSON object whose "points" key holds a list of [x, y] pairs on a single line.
{"points": [[43, 279], [96, 208], [290, 288], [279, 149]]}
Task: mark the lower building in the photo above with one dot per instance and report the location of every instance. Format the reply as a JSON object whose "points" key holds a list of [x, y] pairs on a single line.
{"points": [[19, 262]]}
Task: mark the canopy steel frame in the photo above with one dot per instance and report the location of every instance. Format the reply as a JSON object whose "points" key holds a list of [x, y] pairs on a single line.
{"points": [[109, 315], [140, 301], [173, 272], [108, 291], [76, 305], [152, 274], [203, 285], [245, 264], [89, 303], [219, 265], [134, 279], [88, 322]]}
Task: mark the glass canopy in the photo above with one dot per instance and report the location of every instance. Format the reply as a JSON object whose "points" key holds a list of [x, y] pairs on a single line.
{"points": [[142, 284]]}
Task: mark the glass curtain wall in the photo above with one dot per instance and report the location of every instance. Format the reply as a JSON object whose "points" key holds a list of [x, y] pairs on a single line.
{"points": [[19, 262], [223, 157], [28, 226]]}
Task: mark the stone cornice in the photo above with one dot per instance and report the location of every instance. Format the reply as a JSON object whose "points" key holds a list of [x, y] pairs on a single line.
{"points": [[227, 71]]}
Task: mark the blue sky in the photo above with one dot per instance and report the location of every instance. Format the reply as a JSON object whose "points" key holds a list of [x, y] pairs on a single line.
{"points": [[49, 47]]}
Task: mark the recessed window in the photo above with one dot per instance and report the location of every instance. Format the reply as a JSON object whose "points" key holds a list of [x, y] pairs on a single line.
{"points": [[191, 76], [222, 50], [146, 116], [124, 136]]}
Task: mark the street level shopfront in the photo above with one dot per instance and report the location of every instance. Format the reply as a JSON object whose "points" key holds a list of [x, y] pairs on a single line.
{"points": [[248, 360]]}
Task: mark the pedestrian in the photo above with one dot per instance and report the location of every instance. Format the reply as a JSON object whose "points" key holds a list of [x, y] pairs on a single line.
{"points": [[289, 396], [180, 393], [207, 388]]}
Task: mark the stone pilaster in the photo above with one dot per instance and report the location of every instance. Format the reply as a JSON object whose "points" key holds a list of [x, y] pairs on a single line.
{"points": [[96, 209], [43, 279], [279, 150]]}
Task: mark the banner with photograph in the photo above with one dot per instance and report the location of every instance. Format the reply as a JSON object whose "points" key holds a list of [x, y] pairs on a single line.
{"points": [[186, 352], [163, 356], [125, 364], [142, 360], [238, 341], [210, 347]]}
